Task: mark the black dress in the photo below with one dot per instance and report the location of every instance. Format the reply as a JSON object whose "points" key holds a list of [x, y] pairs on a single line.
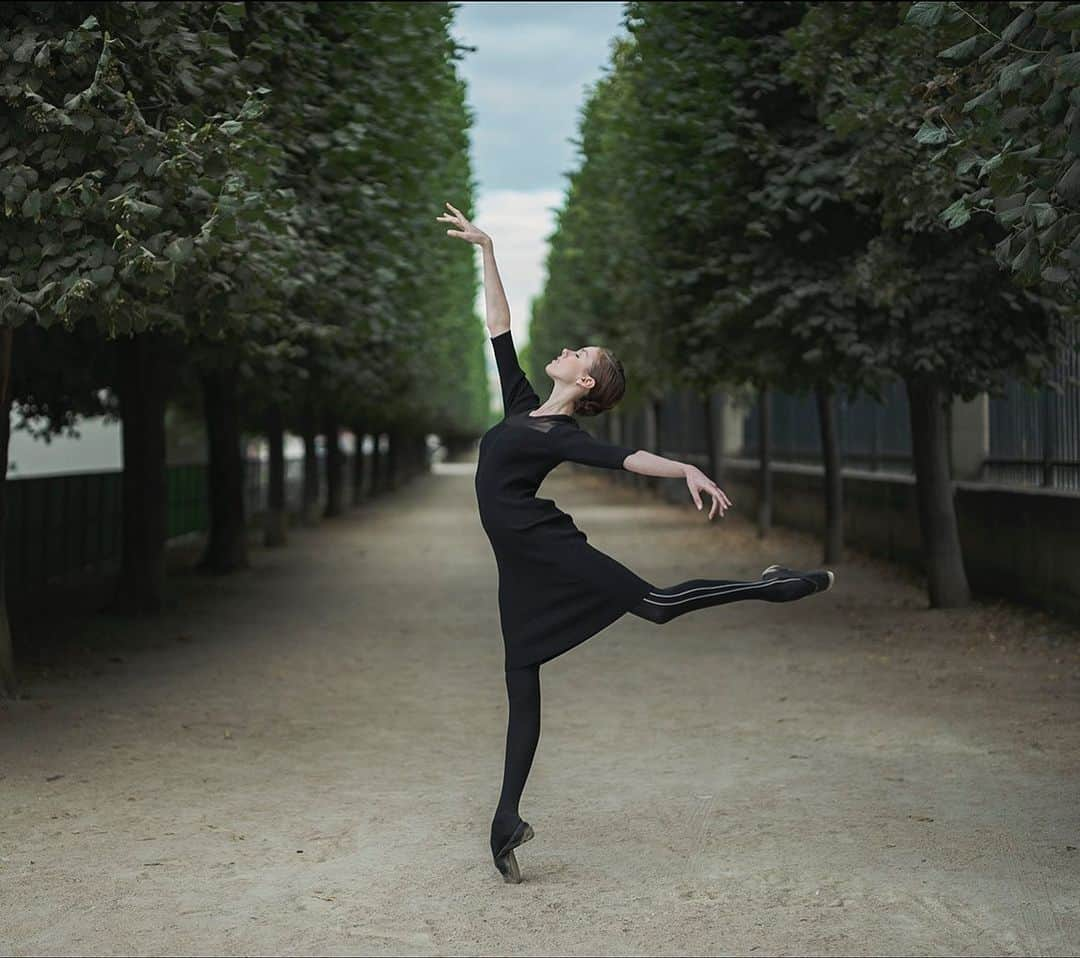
{"points": [[555, 590]]}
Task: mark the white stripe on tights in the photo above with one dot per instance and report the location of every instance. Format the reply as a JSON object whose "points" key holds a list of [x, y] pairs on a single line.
{"points": [[718, 590]]}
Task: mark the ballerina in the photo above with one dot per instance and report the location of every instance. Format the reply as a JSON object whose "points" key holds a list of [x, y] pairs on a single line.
{"points": [[555, 589]]}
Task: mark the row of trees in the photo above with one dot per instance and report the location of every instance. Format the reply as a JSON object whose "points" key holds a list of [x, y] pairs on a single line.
{"points": [[824, 196], [228, 206]]}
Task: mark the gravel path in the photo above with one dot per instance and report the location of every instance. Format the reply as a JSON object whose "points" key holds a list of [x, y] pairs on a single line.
{"points": [[303, 759]]}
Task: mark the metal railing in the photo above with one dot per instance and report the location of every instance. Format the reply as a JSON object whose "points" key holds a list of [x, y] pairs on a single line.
{"points": [[873, 435], [64, 524], [1035, 433]]}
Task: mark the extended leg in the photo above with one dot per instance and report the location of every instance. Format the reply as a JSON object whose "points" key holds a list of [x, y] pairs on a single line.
{"points": [[663, 605], [522, 736]]}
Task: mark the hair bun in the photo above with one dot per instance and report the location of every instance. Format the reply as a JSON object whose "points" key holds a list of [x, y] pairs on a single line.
{"points": [[588, 407]]}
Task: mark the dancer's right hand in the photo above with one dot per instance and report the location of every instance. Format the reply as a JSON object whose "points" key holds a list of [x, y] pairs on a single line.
{"points": [[698, 483], [468, 232]]}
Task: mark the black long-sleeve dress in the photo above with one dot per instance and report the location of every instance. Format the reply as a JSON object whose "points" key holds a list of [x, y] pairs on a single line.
{"points": [[555, 590]]}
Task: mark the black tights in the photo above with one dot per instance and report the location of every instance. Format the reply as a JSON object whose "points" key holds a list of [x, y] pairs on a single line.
{"points": [[663, 605], [522, 736], [659, 606]]}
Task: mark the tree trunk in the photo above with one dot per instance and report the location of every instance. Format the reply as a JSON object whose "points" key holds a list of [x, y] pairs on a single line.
{"points": [[407, 450], [423, 463], [358, 491], [834, 479], [144, 481], [310, 499], [710, 439], [946, 579], [277, 516], [378, 466], [226, 548], [654, 482], [722, 439], [7, 654], [765, 460], [393, 459], [333, 467]]}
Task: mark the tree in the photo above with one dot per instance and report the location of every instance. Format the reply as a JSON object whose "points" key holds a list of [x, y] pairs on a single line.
{"points": [[1003, 114], [941, 315]]}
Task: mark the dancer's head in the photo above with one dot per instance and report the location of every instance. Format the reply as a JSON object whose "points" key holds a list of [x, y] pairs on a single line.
{"points": [[594, 373]]}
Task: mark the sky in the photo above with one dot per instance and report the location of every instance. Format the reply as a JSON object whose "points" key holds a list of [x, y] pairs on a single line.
{"points": [[527, 83]]}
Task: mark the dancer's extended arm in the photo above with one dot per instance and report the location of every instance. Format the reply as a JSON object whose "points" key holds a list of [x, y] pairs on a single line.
{"points": [[647, 464], [577, 445]]}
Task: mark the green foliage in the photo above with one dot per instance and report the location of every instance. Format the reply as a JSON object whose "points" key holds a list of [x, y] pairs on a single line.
{"points": [[97, 182], [1009, 124], [256, 179], [756, 203], [934, 302]]}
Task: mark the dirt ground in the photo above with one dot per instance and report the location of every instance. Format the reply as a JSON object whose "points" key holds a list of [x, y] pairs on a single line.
{"points": [[304, 758]]}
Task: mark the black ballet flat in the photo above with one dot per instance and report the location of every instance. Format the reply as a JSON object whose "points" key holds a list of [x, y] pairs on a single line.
{"points": [[505, 860], [821, 579]]}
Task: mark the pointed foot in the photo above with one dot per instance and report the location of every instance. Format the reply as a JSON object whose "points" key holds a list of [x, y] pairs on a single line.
{"points": [[505, 860], [821, 579]]}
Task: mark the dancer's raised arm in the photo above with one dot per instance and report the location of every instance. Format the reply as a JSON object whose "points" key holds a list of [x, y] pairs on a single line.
{"points": [[498, 309]]}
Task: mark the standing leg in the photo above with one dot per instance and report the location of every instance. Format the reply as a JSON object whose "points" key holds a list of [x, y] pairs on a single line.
{"points": [[776, 585], [522, 736]]}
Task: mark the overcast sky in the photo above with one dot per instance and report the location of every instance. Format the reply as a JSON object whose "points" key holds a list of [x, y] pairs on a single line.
{"points": [[526, 86]]}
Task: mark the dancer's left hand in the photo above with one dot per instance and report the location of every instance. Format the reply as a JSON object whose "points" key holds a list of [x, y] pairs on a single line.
{"points": [[698, 483]]}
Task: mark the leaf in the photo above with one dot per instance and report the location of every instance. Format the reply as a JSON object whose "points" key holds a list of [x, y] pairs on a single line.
{"points": [[1027, 260], [928, 133], [1018, 26], [1055, 274], [984, 99], [966, 163], [1010, 77], [957, 214], [925, 14], [32, 204], [1069, 185], [149, 210], [1068, 67], [1002, 250], [180, 249], [232, 14], [25, 51], [963, 50], [1045, 214], [1010, 216], [1067, 19]]}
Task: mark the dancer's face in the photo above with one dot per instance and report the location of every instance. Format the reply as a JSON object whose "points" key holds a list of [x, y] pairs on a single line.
{"points": [[572, 366]]}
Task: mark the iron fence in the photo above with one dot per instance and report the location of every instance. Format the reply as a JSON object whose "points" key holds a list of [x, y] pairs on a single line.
{"points": [[64, 524], [872, 435], [1031, 436], [1035, 433]]}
